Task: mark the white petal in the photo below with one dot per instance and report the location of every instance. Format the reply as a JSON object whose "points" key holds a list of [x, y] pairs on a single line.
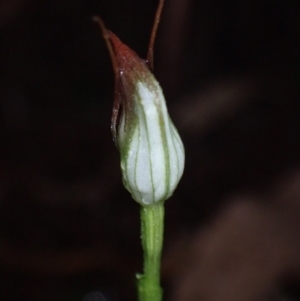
{"points": [[154, 159]]}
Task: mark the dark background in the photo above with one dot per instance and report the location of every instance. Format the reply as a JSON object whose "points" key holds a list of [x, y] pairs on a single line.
{"points": [[230, 73]]}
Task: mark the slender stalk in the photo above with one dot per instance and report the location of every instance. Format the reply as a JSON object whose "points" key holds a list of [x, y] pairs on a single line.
{"points": [[152, 218], [149, 59]]}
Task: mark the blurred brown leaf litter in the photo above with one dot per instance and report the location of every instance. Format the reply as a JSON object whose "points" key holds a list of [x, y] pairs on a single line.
{"points": [[230, 73]]}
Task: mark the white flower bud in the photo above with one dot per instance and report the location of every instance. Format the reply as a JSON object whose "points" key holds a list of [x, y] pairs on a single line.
{"points": [[152, 153]]}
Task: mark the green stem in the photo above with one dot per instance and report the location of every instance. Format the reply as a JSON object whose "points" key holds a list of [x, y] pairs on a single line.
{"points": [[152, 218]]}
